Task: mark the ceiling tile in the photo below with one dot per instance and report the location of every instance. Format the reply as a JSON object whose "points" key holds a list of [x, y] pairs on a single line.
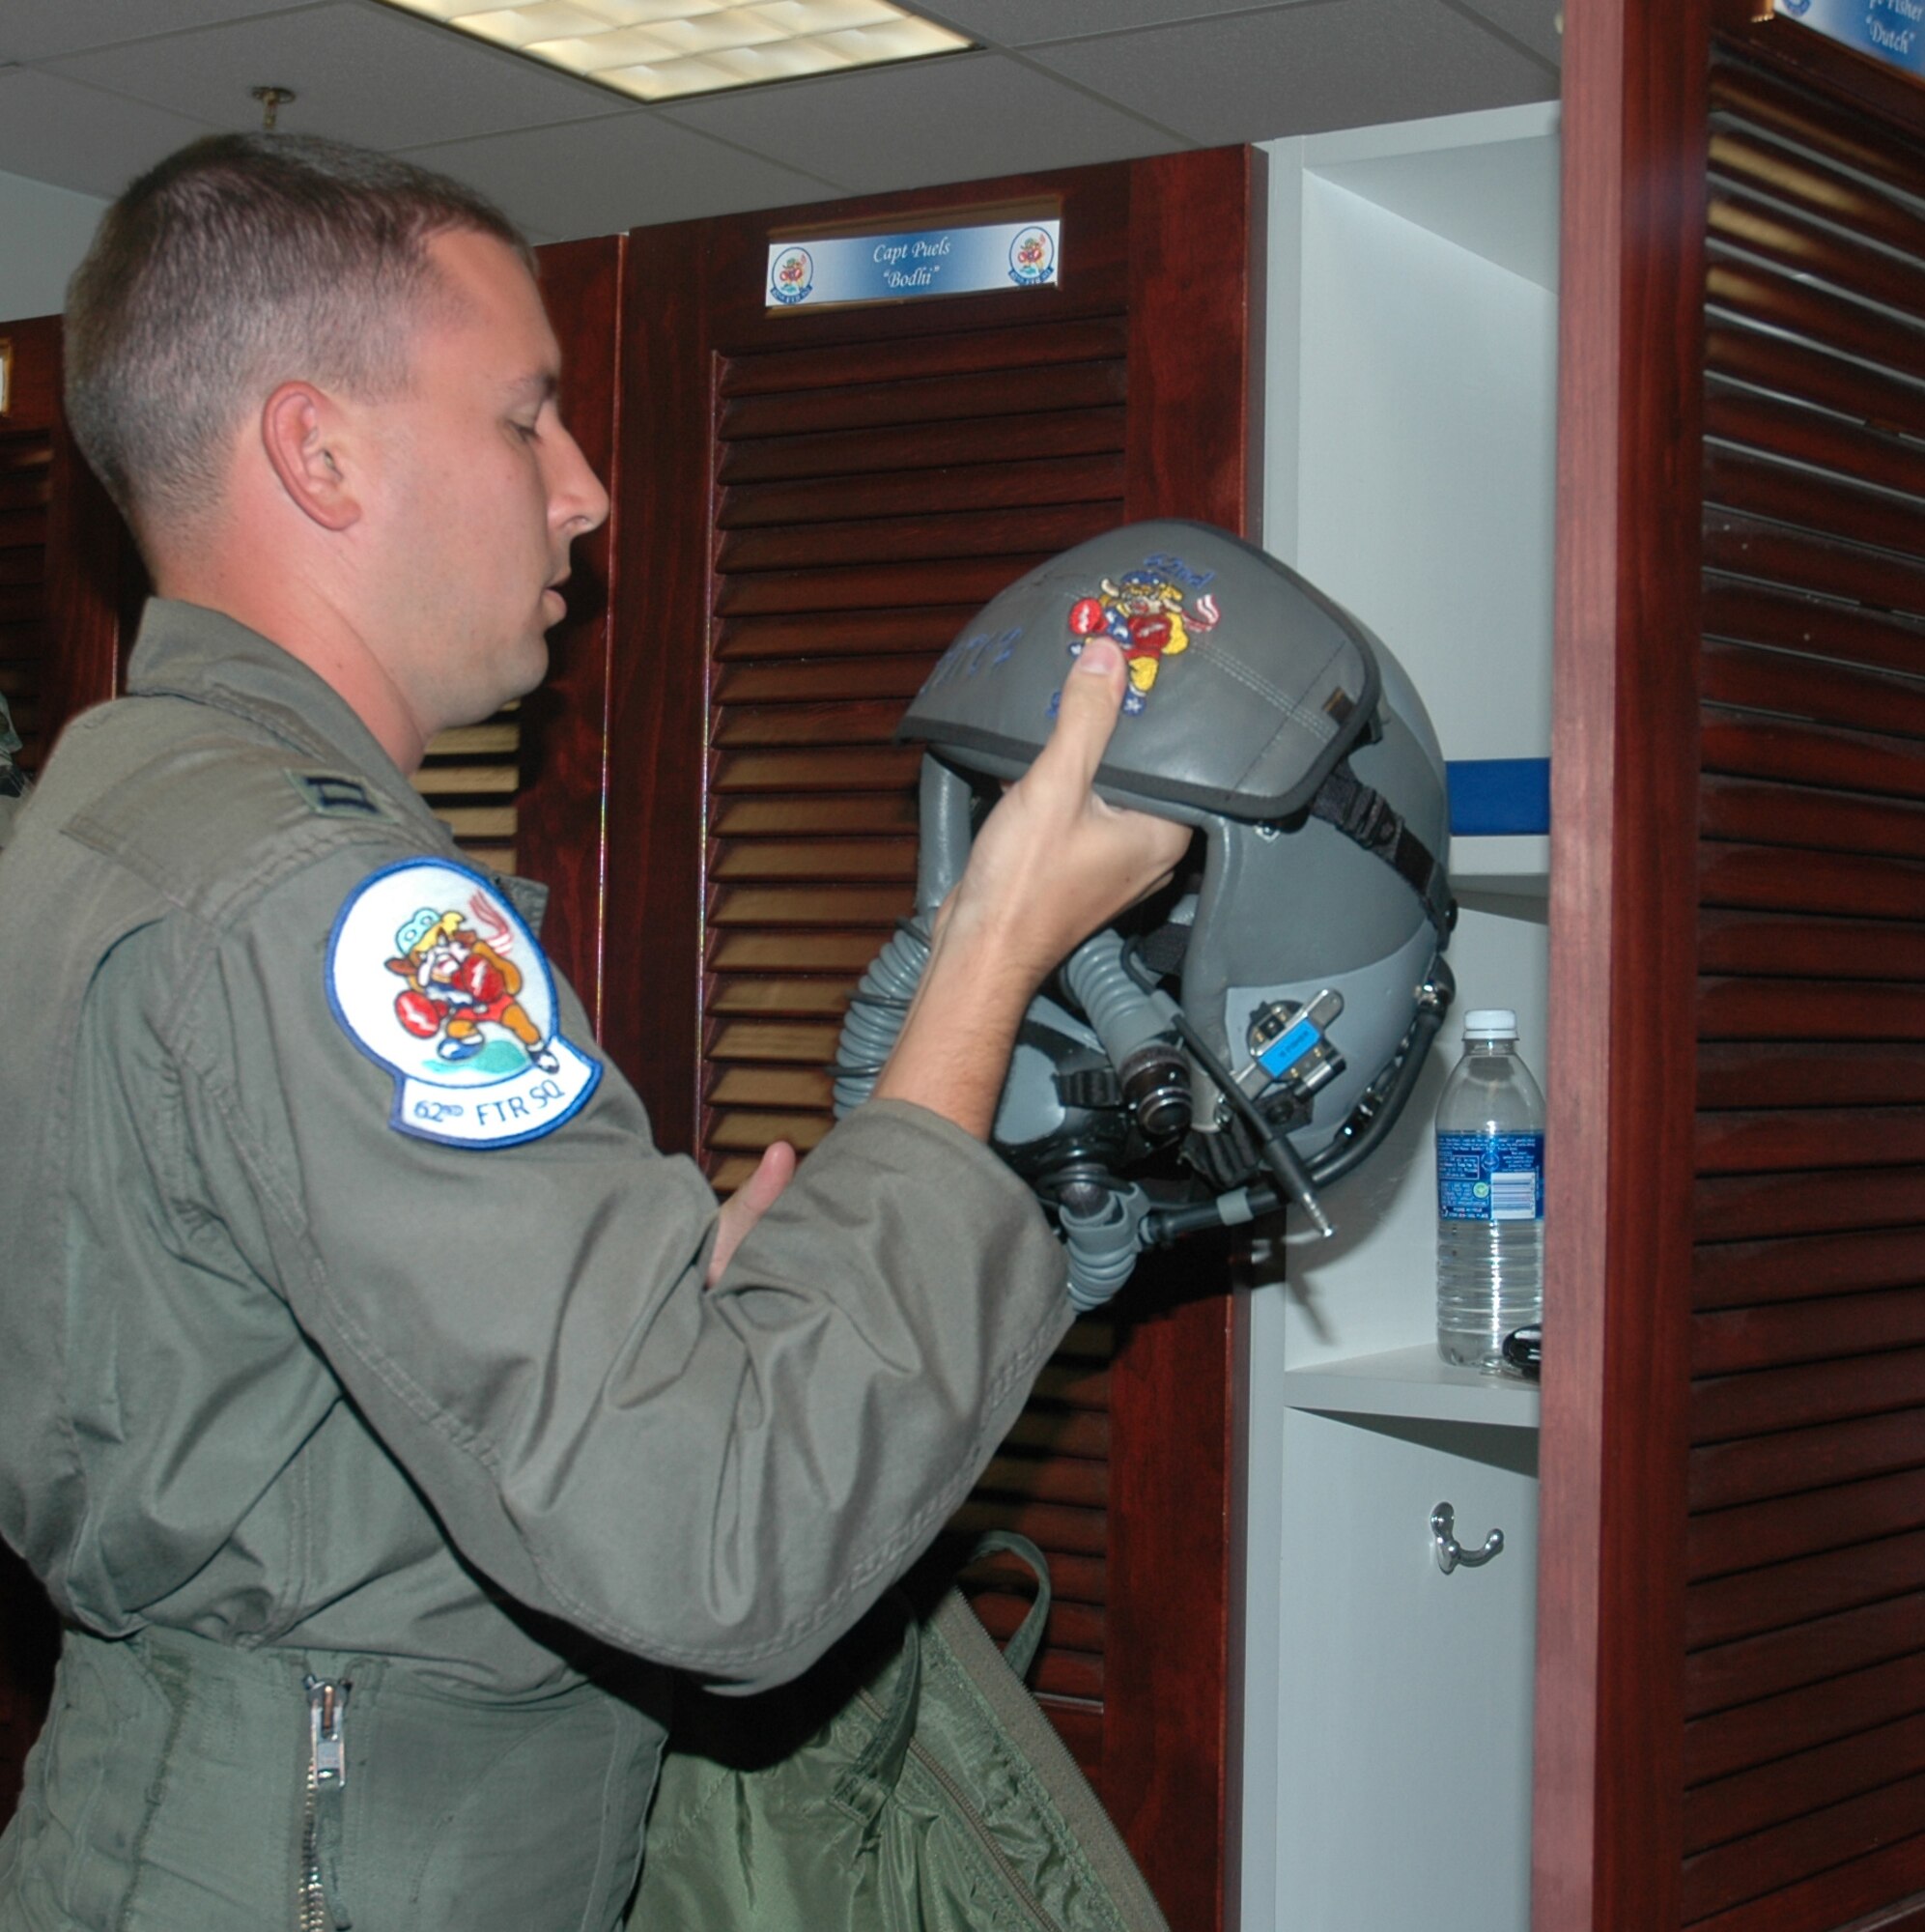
{"points": [[959, 117], [1023, 23], [40, 29], [1300, 69], [361, 73], [630, 171], [1534, 23], [53, 130]]}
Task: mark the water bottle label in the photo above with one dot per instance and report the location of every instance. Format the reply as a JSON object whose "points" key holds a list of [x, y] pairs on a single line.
{"points": [[1491, 1176]]}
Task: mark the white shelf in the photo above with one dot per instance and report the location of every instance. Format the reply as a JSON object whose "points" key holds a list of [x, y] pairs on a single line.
{"points": [[1509, 868], [1414, 1384]]}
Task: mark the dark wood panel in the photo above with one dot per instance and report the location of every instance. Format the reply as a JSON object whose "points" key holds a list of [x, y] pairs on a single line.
{"points": [[1805, 818], [800, 997], [931, 400], [840, 633], [842, 364], [1808, 687], [850, 858], [1791, 1460], [1607, 1824], [1723, 1542], [1786, 881], [1811, 1139], [1760, 944], [898, 540], [1736, 1341], [1823, 109], [950, 491], [1769, 1861], [786, 681], [1079, 1531], [862, 770], [1742, 546], [1770, 299], [879, 907], [1742, 1273], [1815, 1659], [1816, 252], [1829, 382], [1794, 1592], [1078, 1627], [1048, 1479], [1802, 181], [819, 727], [782, 1088], [813, 815], [1744, 1209], [1795, 434], [982, 439], [1774, 1793], [1752, 613], [1839, 1705], [1800, 1009], [1735, 1074], [748, 1131], [1748, 1404], [792, 952], [1084, 1434], [797, 1042], [873, 587], [1812, 754], [1751, 486], [1850, 1897]]}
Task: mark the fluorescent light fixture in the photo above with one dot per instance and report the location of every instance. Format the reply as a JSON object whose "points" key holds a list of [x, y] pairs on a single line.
{"points": [[656, 49]]}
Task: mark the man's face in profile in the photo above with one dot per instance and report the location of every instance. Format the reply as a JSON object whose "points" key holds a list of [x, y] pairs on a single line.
{"points": [[479, 489]]}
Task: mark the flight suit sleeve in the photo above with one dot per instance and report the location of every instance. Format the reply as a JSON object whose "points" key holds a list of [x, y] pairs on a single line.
{"points": [[721, 1480]]}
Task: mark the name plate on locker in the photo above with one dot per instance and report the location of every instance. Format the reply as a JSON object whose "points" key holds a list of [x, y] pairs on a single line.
{"points": [[817, 270], [1889, 31]]}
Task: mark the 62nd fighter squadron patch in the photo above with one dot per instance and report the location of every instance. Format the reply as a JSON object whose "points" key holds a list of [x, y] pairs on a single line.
{"points": [[435, 977]]}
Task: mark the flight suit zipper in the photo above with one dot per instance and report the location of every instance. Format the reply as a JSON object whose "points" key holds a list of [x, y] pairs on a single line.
{"points": [[326, 1776]]}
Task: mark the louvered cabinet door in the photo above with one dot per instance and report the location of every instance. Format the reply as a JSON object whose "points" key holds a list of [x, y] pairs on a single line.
{"points": [[64, 556], [1805, 1744], [811, 505], [1732, 1674]]}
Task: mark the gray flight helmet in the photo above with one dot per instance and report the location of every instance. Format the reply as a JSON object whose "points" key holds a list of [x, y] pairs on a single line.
{"points": [[1267, 716]]}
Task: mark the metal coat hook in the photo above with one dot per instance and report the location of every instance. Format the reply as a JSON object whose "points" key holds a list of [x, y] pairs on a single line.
{"points": [[1450, 1552], [272, 100]]}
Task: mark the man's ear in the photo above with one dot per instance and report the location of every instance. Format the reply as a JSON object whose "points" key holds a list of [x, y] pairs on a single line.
{"points": [[302, 431]]}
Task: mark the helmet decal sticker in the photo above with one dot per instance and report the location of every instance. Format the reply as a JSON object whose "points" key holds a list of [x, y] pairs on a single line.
{"points": [[435, 977], [1149, 615]]}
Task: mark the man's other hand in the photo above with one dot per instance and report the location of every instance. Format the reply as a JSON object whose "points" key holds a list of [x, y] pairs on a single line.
{"points": [[749, 1203]]}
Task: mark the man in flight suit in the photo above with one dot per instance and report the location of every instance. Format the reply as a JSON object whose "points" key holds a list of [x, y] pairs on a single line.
{"points": [[364, 1411]]}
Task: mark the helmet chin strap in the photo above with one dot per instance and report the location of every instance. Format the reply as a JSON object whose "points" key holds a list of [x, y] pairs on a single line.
{"points": [[1368, 819]]}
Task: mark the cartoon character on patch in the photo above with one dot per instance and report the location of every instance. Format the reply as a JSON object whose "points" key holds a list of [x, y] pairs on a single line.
{"points": [[458, 981], [472, 1034], [1144, 612]]}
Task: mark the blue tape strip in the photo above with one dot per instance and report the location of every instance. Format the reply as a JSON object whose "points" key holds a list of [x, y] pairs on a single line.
{"points": [[1498, 795]]}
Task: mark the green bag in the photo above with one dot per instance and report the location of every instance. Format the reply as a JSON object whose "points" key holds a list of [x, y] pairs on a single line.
{"points": [[936, 1797]]}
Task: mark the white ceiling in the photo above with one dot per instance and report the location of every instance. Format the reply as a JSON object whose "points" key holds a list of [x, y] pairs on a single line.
{"points": [[92, 91]]}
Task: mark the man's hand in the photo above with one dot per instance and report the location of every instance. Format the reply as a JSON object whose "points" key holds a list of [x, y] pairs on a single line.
{"points": [[1052, 863], [749, 1203]]}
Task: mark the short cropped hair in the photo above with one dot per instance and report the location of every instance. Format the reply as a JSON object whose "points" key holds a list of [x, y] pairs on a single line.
{"points": [[242, 262]]}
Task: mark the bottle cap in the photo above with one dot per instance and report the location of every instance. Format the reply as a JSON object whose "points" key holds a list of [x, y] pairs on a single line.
{"points": [[1491, 1023]]}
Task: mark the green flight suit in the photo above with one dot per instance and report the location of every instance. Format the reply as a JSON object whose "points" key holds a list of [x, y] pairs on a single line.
{"points": [[288, 1392]]}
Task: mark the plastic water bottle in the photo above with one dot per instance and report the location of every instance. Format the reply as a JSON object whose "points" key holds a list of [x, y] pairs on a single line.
{"points": [[1490, 1195]]}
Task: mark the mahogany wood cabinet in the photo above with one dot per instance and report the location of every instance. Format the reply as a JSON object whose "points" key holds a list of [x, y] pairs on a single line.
{"points": [[1732, 1585]]}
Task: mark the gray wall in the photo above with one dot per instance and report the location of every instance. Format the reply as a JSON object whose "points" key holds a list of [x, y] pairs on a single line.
{"points": [[44, 232]]}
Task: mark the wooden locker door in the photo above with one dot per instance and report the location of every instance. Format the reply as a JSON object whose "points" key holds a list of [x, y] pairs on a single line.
{"points": [[810, 505], [67, 568], [1732, 1642]]}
